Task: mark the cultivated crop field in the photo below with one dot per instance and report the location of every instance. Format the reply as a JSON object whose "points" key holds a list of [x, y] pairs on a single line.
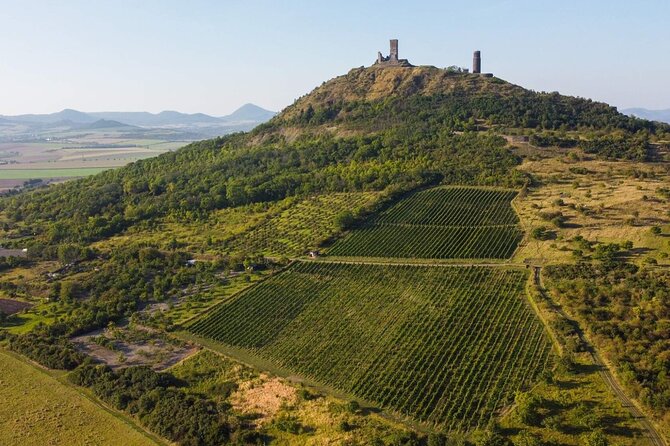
{"points": [[301, 226], [440, 223], [447, 346]]}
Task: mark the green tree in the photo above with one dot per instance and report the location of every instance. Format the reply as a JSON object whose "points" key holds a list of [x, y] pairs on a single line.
{"points": [[344, 220], [527, 406], [595, 438]]}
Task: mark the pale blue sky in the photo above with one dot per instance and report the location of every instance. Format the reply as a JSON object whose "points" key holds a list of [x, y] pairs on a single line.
{"points": [[213, 56]]}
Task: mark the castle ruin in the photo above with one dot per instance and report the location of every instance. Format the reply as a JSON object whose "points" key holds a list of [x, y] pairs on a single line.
{"points": [[392, 59]]}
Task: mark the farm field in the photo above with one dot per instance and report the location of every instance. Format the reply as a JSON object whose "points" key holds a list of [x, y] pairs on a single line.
{"points": [[288, 227], [300, 226], [74, 154], [27, 174], [29, 415], [446, 346], [439, 223]]}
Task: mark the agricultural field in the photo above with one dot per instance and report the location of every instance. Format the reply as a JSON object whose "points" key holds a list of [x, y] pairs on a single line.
{"points": [[446, 346], [73, 155], [439, 223], [66, 172], [301, 226], [288, 227], [29, 415]]}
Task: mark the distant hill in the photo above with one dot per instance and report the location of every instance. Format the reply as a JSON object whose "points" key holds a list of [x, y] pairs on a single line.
{"points": [[652, 115], [164, 118], [249, 112], [245, 115], [52, 118], [108, 124]]}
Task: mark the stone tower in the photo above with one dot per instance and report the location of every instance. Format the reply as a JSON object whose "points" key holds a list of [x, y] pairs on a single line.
{"points": [[477, 62], [393, 55], [392, 59]]}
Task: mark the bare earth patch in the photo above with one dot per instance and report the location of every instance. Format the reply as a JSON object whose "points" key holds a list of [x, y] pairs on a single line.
{"points": [[122, 347], [264, 399]]}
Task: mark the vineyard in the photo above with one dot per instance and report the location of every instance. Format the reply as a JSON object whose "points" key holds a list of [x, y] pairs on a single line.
{"points": [[300, 226], [447, 346], [440, 223]]}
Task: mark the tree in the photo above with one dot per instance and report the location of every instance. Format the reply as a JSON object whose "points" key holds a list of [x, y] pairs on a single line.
{"points": [[437, 439], [526, 438], [69, 290], [527, 406], [595, 438], [344, 220]]}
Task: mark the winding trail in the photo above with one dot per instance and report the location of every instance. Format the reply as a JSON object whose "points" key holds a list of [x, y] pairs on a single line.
{"points": [[607, 375]]}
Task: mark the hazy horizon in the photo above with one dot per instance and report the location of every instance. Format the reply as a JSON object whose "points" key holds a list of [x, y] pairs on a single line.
{"points": [[137, 111], [213, 57]]}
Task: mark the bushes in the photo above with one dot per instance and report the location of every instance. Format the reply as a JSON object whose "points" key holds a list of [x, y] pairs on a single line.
{"points": [[546, 140], [527, 406], [542, 233], [51, 351], [627, 147], [153, 398]]}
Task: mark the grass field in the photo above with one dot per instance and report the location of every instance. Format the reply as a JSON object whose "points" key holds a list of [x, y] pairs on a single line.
{"points": [[26, 174], [604, 201], [439, 223], [447, 346], [31, 415]]}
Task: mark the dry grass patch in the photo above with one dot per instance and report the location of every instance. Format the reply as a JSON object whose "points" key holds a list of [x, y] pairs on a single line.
{"points": [[602, 201], [263, 397]]}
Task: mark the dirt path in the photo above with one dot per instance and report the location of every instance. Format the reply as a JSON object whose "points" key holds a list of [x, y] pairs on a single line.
{"points": [[607, 375], [405, 262]]}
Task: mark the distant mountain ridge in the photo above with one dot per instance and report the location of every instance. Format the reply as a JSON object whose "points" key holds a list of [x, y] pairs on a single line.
{"points": [[248, 113], [652, 115]]}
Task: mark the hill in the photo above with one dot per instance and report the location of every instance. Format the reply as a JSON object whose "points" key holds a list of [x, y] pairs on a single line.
{"points": [[164, 118], [249, 112], [372, 129], [107, 124], [51, 118]]}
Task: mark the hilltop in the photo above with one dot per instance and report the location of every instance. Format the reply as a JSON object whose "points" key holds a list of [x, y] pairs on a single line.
{"points": [[367, 98]]}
